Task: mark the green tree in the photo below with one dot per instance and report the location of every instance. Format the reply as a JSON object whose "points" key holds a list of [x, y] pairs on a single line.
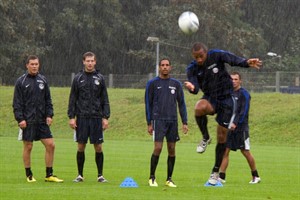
{"points": [[82, 26], [21, 31], [279, 22]]}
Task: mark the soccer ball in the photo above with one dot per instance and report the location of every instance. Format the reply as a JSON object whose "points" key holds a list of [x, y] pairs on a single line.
{"points": [[188, 22]]}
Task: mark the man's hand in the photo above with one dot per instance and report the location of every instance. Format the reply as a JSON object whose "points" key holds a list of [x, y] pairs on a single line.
{"points": [[254, 62], [23, 124], [232, 127], [104, 123], [72, 123], [49, 121], [185, 128], [150, 129], [188, 85]]}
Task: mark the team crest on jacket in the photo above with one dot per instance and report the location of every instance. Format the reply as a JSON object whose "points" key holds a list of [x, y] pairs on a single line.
{"points": [[41, 86], [215, 70], [96, 82], [172, 89]]}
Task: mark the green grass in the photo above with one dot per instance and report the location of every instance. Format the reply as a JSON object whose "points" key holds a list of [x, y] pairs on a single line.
{"points": [[279, 173], [274, 130], [274, 117]]}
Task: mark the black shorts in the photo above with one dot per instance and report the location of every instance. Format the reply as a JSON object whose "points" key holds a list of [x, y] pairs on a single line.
{"points": [[238, 140], [35, 132], [89, 128], [224, 108], [165, 128]]}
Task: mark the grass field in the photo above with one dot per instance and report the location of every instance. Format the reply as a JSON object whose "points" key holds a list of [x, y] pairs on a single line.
{"points": [[279, 173], [274, 126]]}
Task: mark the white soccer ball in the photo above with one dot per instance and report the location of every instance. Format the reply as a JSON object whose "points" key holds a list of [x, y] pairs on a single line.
{"points": [[188, 22]]}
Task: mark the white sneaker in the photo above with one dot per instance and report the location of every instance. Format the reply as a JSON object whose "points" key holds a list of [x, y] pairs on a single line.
{"points": [[202, 145], [78, 179], [213, 179], [101, 179], [255, 180], [221, 180]]}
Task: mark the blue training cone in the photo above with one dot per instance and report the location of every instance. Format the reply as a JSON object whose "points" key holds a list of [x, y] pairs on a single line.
{"points": [[219, 184], [129, 182]]}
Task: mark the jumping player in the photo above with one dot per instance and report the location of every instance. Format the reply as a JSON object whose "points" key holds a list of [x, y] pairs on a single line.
{"points": [[161, 97], [208, 73]]}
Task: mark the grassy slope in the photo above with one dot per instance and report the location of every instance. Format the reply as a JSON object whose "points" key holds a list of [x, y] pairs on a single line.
{"points": [[274, 117]]}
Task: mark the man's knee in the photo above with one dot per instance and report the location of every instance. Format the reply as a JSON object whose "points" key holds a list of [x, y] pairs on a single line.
{"points": [[98, 148], [157, 148], [81, 147], [203, 107], [50, 146], [157, 151], [28, 146], [171, 149]]}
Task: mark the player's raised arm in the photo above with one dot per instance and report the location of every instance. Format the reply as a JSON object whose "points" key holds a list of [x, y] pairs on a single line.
{"points": [[254, 62]]}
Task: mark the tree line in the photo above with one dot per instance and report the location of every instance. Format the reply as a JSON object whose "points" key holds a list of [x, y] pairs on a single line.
{"points": [[59, 32]]}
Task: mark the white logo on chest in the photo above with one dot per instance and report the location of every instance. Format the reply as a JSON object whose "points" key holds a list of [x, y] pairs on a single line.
{"points": [[96, 82], [41, 86], [173, 89], [215, 70]]}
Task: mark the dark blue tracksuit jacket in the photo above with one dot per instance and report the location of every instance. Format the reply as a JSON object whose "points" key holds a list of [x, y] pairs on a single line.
{"points": [[32, 100], [243, 98], [88, 96], [161, 98], [212, 78]]}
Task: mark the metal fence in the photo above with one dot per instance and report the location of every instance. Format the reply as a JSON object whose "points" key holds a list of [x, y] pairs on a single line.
{"points": [[253, 81], [279, 81]]}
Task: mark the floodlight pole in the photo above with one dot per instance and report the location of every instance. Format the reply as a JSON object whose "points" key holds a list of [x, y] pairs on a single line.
{"points": [[277, 81], [156, 40], [272, 54]]}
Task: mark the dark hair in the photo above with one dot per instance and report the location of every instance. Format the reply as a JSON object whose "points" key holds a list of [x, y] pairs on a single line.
{"points": [[31, 57], [236, 73], [198, 45], [164, 59], [88, 54]]}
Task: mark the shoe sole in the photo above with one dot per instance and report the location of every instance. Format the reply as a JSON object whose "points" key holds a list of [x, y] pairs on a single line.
{"points": [[77, 181], [171, 186], [31, 181], [54, 181], [254, 182], [211, 183], [103, 181]]}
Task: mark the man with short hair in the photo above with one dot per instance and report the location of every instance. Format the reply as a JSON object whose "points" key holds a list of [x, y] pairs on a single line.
{"points": [[88, 112], [239, 138], [162, 95], [33, 110]]}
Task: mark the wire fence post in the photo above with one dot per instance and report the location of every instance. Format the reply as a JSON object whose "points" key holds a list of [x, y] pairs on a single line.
{"points": [[277, 81], [110, 81]]}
